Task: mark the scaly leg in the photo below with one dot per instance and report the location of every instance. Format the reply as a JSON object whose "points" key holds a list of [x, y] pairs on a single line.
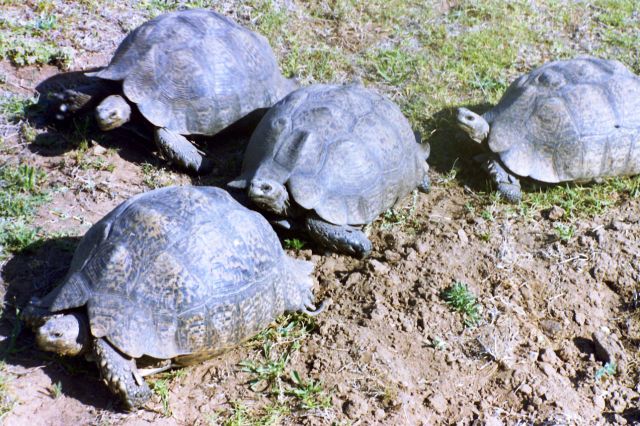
{"points": [[121, 374], [339, 238], [508, 185], [176, 148]]}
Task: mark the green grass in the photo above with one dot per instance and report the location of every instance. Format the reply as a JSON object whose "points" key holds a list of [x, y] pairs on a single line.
{"points": [[15, 108], [270, 373], [462, 300], [294, 244], [21, 193], [56, 390], [581, 201], [7, 402], [26, 43]]}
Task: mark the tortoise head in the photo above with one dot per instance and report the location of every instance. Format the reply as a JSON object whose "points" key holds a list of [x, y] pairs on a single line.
{"points": [[473, 125], [270, 195], [64, 334], [113, 112]]}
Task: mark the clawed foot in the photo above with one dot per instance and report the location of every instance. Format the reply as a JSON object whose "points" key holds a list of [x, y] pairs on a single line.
{"points": [[68, 103]]}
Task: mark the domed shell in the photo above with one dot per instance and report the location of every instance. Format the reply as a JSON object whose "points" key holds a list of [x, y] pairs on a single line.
{"points": [[570, 120], [196, 71], [343, 151], [163, 276]]}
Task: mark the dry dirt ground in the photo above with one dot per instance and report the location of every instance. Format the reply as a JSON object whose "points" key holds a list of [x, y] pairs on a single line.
{"points": [[553, 340]]}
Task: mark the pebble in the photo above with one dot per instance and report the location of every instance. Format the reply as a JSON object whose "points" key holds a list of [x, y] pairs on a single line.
{"points": [[378, 267], [555, 213], [551, 327], [579, 317], [549, 356], [599, 402], [609, 349], [438, 403], [548, 369], [421, 246], [392, 256], [463, 237], [526, 389], [355, 407]]}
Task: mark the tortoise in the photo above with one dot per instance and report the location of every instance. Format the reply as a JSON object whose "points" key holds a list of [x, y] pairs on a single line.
{"points": [[331, 158], [179, 273], [190, 72], [569, 120]]}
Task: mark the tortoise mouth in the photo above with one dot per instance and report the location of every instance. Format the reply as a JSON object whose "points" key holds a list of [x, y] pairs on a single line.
{"points": [[270, 196]]}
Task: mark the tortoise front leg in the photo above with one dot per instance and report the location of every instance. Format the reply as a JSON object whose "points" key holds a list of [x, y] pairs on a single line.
{"points": [[84, 97], [508, 185], [339, 238], [176, 148], [121, 374]]}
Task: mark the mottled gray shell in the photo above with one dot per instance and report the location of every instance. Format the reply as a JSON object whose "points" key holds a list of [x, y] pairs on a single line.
{"points": [[196, 71], [163, 275], [570, 120], [343, 151]]}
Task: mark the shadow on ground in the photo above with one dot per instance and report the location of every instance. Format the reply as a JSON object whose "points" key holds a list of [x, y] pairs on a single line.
{"points": [[35, 271]]}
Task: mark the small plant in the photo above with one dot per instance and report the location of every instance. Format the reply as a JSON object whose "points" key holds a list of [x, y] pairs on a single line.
{"points": [[460, 299], [161, 388], [309, 393], [267, 372], [437, 344], [609, 369], [294, 244], [564, 232], [487, 215], [56, 390]]}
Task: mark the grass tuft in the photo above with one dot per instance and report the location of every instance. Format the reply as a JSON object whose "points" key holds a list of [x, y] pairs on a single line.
{"points": [[461, 299]]}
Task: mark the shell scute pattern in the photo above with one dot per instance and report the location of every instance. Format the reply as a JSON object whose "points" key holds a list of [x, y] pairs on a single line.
{"points": [[332, 172], [155, 290], [195, 71], [582, 120]]}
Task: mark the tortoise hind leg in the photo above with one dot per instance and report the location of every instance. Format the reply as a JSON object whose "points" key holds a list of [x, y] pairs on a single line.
{"points": [[121, 374], [176, 148], [343, 239], [508, 185]]}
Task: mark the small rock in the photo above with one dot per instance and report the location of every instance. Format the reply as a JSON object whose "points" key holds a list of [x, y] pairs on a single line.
{"points": [[555, 213], [609, 349], [493, 421], [617, 404], [579, 317], [439, 403], [526, 389], [378, 267], [379, 414], [355, 407], [599, 402], [549, 356], [617, 225], [600, 235], [99, 150], [353, 279], [551, 327], [421, 247], [463, 237], [392, 256], [548, 369]]}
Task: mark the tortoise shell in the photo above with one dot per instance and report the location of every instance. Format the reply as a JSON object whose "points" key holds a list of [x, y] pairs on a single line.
{"points": [[569, 120], [196, 71], [181, 271], [343, 151]]}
